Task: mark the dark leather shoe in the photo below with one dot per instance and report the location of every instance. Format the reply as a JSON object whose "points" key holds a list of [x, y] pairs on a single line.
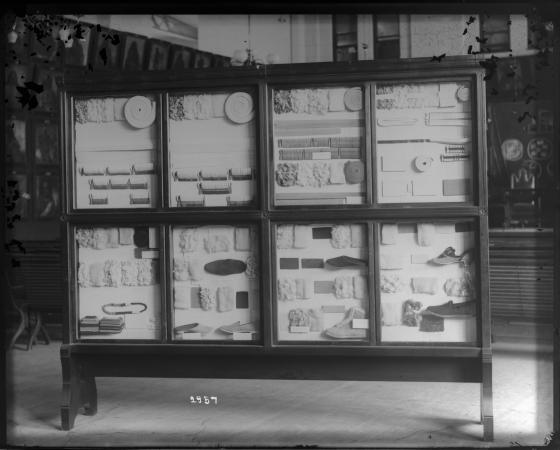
{"points": [[451, 309]]}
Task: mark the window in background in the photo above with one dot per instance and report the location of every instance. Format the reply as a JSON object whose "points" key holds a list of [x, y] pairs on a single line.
{"points": [[345, 37], [386, 36], [494, 33]]}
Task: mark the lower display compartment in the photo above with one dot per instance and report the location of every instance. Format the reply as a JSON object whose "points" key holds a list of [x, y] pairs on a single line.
{"points": [[341, 283]]}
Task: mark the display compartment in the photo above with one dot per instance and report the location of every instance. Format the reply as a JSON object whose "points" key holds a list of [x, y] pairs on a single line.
{"points": [[213, 143], [118, 282], [115, 152], [424, 141], [216, 287], [319, 145], [428, 283], [322, 291]]}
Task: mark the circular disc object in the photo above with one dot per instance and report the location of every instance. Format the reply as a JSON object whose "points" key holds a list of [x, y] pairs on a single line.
{"points": [[463, 94], [539, 149], [354, 172], [139, 112], [512, 149], [239, 107], [423, 163], [353, 99]]}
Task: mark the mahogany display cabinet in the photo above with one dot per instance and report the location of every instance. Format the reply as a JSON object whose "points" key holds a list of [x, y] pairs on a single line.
{"points": [[304, 221]]}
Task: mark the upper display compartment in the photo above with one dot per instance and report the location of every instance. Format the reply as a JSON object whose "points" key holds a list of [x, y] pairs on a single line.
{"points": [[319, 145], [424, 142], [115, 158], [213, 148]]}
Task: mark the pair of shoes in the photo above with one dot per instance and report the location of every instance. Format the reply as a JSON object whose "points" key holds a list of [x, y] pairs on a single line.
{"points": [[341, 262], [238, 327], [344, 330], [448, 256], [451, 309]]}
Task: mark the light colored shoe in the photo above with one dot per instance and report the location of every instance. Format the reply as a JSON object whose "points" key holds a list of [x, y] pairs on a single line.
{"points": [[344, 330]]}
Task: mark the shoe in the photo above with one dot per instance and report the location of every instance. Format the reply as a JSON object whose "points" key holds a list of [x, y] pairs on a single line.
{"points": [[341, 262], [451, 309], [448, 256], [184, 328], [238, 327], [344, 330], [198, 328]]}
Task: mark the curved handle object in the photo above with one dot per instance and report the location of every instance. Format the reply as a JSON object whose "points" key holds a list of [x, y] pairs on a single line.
{"points": [[122, 305]]}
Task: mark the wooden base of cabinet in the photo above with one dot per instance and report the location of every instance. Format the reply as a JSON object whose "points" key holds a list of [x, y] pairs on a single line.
{"points": [[81, 364]]}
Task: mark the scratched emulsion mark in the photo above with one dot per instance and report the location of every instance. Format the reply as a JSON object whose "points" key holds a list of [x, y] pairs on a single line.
{"points": [[44, 29]]}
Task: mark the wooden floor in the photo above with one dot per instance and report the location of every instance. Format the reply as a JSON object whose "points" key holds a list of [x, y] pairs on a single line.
{"points": [[157, 412]]}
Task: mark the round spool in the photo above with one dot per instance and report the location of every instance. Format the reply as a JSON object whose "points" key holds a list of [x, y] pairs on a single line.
{"points": [[512, 149], [423, 163], [139, 112], [353, 99], [463, 94], [239, 107]]}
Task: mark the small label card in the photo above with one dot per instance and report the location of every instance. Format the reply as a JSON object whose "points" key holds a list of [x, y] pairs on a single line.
{"points": [[360, 323], [294, 329], [150, 254], [321, 155], [215, 200], [333, 308], [192, 336], [239, 336]]}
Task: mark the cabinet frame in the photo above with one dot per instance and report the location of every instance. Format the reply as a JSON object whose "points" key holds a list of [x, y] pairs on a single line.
{"points": [[83, 361]]}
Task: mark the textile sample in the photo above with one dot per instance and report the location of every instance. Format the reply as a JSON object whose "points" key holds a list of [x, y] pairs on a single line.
{"points": [[424, 285], [358, 236], [181, 269], [411, 313], [431, 323], [252, 267], [340, 236], [189, 240], [226, 298], [215, 243], [343, 287], [426, 234], [298, 318], [286, 289], [391, 313], [182, 297], [113, 273], [458, 287], [207, 298], [284, 236], [391, 283], [388, 261], [302, 236], [389, 233], [129, 273], [286, 174]]}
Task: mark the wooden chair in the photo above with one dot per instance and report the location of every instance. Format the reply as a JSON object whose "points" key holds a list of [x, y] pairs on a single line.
{"points": [[16, 294]]}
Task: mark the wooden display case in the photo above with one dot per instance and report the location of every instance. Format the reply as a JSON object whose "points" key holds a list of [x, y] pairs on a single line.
{"points": [[269, 223]]}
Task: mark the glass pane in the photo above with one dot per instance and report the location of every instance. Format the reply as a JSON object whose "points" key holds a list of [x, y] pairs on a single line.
{"points": [[115, 151], [212, 149], [428, 282], [118, 283], [216, 283], [322, 290], [47, 196], [425, 146], [319, 146], [15, 141], [46, 142], [387, 25]]}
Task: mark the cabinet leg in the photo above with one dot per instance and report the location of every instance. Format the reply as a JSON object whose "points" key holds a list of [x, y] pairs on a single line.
{"points": [[89, 395], [70, 389], [35, 331], [20, 328], [486, 408], [45, 334]]}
